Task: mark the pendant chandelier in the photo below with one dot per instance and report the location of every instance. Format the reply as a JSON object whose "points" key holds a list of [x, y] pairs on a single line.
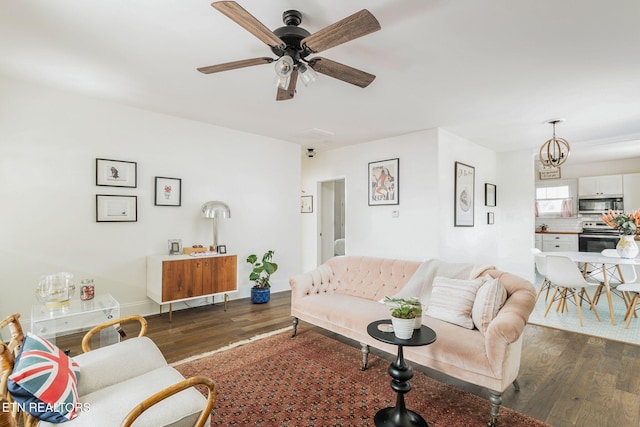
{"points": [[555, 151]]}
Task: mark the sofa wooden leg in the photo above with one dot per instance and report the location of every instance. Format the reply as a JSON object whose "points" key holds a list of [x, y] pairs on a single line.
{"points": [[295, 327], [365, 356], [496, 401]]}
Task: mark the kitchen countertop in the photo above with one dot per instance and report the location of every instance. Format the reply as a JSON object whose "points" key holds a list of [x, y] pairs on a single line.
{"points": [[558, 232]]}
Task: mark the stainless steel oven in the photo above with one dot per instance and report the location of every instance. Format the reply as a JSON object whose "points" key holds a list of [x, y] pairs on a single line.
{"points": [[597, 236]]}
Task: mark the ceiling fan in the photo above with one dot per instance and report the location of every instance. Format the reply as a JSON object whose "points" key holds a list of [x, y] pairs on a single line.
{"points": [[293, 44]]}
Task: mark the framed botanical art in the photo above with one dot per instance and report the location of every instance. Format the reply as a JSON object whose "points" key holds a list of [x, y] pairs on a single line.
{"points": [[116, 173], [168, 191], [489, 194], [490, 218], [110, 208], [384, 182], [464, 195], [306, 204]]}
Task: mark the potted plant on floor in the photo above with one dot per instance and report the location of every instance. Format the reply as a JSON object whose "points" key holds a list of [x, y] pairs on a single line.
{"points": [[260, 274]]}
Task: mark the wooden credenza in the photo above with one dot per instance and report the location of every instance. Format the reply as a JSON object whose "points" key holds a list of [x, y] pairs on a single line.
{"points": [[174, 278]]}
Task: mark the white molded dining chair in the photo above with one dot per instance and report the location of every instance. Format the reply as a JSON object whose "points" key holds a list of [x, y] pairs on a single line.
{"points": [[566, 278], [633, 292], [541, 267], [616, 274]]}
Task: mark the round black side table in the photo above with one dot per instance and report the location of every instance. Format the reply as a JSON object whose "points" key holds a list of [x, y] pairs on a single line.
{"points": [[401, 374]]}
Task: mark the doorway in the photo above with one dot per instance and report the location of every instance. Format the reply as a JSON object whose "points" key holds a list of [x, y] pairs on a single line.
{"points": [[331, 219]]}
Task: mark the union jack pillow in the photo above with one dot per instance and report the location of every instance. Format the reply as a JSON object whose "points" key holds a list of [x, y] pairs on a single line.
{"points": [[44, 381]]}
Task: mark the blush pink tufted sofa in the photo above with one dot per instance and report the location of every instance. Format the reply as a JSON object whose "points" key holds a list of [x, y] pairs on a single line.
{"points": [[343, 296]]}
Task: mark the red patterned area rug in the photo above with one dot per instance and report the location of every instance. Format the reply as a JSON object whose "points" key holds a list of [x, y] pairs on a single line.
{"points": [[314, 380]]}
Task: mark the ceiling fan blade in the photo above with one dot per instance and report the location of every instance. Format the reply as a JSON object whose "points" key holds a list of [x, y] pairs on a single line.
{"points": [[283, 94], [235, 64], [341, 72], [357, 25], [240, 16]]}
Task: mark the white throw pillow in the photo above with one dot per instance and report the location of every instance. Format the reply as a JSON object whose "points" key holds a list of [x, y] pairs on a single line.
{"points": [[489, 300], [452, 300]]}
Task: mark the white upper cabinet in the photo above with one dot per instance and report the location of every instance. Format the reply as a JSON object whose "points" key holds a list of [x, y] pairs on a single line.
{"points": [[607, 185], [631, 191]]}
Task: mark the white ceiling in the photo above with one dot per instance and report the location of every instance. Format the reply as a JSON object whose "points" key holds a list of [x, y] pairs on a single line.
{"points": [[492, 71]]}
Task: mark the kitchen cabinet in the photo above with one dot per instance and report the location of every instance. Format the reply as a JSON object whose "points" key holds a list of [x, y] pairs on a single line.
{"points": [[538, 241], [559, 242], [173, 278], [600, 185], [631, 191]]}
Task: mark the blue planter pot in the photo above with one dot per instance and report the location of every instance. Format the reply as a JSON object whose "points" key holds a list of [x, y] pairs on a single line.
{"points": [[260, 295]]}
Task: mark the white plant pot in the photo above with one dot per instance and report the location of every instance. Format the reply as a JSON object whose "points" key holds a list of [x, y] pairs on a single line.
{"points": [[627, 247], [417, 324], [403, 328]]}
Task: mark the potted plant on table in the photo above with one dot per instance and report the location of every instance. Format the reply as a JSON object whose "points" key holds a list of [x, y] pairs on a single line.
{"points": [[260, 274], [628, 224], [403, 316]]}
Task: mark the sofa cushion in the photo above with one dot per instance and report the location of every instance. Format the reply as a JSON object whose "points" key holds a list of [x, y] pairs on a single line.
{"points": [[108, 407], [115, 363], [452, 300], [44, 381], [489, 300]]}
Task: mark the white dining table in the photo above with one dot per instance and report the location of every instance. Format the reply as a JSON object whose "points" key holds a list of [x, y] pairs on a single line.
{"points": [[600, 261]]}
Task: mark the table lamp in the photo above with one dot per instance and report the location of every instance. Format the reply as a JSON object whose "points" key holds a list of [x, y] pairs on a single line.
{"points": [[215, 210]]}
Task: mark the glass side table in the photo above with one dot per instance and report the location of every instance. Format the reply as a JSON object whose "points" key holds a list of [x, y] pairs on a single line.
{"points": [[77, 316]]}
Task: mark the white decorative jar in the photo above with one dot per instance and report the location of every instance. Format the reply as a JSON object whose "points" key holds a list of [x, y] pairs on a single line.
{"points": [[627, 246], [402, 328]]}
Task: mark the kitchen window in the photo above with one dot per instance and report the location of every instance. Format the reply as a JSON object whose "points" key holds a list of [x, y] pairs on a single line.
{"points": [[555, 200]]}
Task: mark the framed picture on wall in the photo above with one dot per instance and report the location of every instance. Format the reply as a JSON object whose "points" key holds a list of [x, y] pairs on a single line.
{"points": [[168, 191], [490, 218], [306, 204], [464, 191], [110, 208], [384, 182], [489, 194], [116, 173]]}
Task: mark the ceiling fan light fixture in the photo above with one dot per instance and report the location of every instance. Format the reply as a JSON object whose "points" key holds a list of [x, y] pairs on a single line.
{"points": [[284, 66], [307, 74]]}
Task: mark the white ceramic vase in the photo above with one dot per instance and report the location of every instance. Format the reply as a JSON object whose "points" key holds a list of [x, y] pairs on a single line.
{"points": [[403, 328], [627, 247]]}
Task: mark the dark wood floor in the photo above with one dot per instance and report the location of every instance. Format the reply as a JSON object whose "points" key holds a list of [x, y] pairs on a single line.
{"points": [[566, 379]]}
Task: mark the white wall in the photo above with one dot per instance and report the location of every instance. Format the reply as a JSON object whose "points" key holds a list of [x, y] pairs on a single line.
{"points": [[478, 244], [48, 145], [516, 198], [424, 228]]}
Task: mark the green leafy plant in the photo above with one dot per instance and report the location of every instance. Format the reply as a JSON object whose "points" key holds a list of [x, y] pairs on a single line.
{"points": [[262, 269], [404, 308]]}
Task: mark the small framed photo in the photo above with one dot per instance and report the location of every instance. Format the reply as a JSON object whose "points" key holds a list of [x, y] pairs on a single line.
{"points": [[222, 249], [168, 191], [116, 173], [175, 246], [110, 208], [489, 194], [384, 182], [490, 218], [306, 204], [465, 176]]}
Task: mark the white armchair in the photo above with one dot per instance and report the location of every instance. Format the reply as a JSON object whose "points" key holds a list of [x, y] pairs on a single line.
{"points": [[118, 384]]}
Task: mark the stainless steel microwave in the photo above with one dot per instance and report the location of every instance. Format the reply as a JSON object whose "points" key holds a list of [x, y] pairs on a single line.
{"points": [[600, 205]]}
